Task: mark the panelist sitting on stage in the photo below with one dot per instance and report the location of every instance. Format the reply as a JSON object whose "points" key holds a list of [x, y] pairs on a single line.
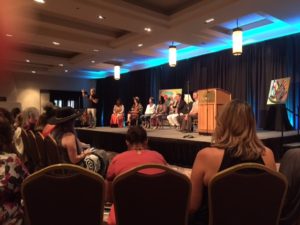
{"points": [[117, 116], [135, 112], [136, 155], [150, 109], [179, 110], [234, 141], [187, 121], [160, 112]]}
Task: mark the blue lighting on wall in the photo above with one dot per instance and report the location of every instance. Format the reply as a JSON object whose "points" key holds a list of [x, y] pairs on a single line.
{"points": [[269, 28]]}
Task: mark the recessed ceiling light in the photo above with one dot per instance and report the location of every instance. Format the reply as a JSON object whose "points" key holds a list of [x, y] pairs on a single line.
{"points": [[55, 43], [95, 50], [33, 71], [66, 71], [27, 60], [9, 35], [147, 29], [61, 65], [40, 1], [93, 61], [101, 17], [140, 45], [209, 20]]}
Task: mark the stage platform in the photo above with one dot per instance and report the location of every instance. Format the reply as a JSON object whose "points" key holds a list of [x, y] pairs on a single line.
{"points": [[172, 144]]}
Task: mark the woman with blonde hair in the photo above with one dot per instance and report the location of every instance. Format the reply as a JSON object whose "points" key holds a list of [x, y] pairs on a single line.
{"points": [[234, 141]]}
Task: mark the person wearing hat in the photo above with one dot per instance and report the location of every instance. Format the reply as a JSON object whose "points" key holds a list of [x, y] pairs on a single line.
{"points": [[135, 112], [72, 149]]}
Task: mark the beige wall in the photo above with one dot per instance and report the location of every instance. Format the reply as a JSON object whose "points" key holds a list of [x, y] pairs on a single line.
{"points": [[25, 89]]}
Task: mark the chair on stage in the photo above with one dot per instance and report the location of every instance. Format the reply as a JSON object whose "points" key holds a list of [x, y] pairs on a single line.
{"points": [[161, 198], [64, 194], [246, 194]]}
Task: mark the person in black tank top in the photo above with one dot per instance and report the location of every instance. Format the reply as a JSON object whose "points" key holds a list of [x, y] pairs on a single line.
{"points": [[234, 142]]}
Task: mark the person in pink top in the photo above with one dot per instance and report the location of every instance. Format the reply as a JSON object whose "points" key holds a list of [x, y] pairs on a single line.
{"points": [[137, 154]]}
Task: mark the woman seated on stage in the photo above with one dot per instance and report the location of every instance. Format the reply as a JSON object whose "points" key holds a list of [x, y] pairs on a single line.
{"points": [[71, 148], [234, 141], [160, 112], [135, 112], [150, 109], [136, 155], [117, 117]]}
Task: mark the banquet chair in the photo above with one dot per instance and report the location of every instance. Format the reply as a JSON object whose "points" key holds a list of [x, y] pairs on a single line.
{"points": [[64, 194], [246, 194], [52, 151], [33, 150], [41, 148], [141, 198]]}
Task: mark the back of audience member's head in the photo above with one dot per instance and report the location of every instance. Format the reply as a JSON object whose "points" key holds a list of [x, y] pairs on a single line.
{"points": [[6, 135], [6, 114], [30, 117], [136, 135], [290, 167], [236, 131], [15, 112], [49, 112]]}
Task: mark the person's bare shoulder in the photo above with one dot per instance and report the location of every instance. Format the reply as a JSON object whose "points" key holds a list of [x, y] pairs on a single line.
{"points": [[269, 159], [208, 155]]}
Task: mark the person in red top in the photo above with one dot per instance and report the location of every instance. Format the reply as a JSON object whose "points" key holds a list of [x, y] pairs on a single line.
{"points": [[137, 154]]}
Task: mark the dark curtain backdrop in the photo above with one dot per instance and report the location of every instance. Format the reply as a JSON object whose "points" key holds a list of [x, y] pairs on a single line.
{"points": [[247, 77]]}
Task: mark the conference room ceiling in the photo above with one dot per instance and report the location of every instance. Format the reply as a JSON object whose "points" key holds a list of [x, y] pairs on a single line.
{"points": [[86, 38]]}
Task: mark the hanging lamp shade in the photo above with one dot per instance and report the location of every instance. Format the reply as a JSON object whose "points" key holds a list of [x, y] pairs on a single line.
{"points": [[172, 56], [117, 72], [237, 41]]}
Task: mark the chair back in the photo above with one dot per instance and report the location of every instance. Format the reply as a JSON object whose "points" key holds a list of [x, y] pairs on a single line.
{"points": [[161, 198], [33, 150], [52, 151], [28, 155], [246, 194], [64, 194], [41, 148]]}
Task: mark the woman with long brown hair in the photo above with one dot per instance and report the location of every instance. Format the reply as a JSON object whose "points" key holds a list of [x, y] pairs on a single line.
{"points": [[234, 141]]}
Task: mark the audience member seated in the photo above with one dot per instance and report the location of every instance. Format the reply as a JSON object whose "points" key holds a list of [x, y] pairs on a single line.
{"points": [[135, 112], [42, 125], [27, 120], [12, 174], [150, 109], [117, 117], [234, 141], [179, 110], [187, 122], [15, 112], [71, 149], [290, 167], [30, 117], [160, 112], [136, 155]]}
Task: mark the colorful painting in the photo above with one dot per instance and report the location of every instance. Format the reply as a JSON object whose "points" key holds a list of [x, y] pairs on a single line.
{"points": [[170, 92], [279, 91]]}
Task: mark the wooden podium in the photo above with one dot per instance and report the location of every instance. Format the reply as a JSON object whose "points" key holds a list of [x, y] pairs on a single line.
{"points": [[210, 104]]}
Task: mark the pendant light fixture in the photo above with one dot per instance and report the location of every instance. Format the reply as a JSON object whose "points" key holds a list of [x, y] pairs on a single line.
{"points": [[172, 55], [117, 72], [237, 40]]}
